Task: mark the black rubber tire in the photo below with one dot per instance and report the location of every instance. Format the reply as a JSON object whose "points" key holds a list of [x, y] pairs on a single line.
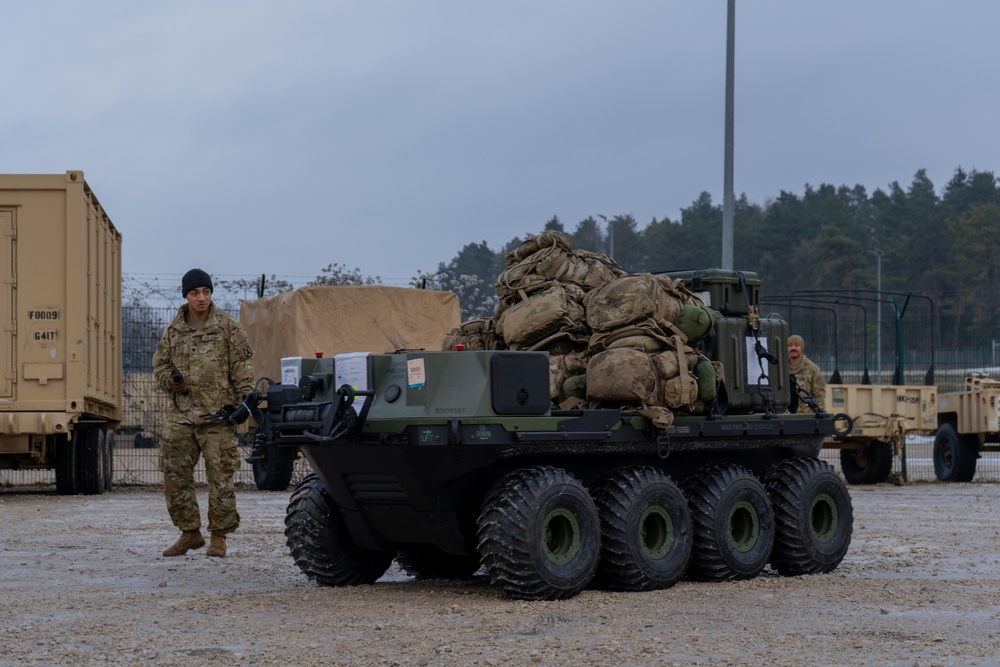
{"points": [[273, 471], [733, 523], [435, 564], [319, 543], [539, 534], [67, 480], [646, 531], [872, 465], [955, 455], [90, 446], [109, 459], [813, 516]]}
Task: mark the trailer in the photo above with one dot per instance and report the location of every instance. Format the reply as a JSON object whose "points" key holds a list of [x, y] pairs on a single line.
{"points": [[968, 425], [60, 343], [882, 415]]}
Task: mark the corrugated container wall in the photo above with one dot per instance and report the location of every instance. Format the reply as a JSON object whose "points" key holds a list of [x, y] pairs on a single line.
{"points": [[60, 304]]}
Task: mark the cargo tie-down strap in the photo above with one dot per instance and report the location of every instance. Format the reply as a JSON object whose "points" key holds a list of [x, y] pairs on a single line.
{"points": [[763, 380], [800, 394]]}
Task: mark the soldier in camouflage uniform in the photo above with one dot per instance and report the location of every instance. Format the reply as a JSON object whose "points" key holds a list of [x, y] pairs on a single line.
{"points": [[203, 359], [806, 373]]}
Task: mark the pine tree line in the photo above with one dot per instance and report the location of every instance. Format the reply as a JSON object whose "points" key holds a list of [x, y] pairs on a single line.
{"points": [[943, 246]]}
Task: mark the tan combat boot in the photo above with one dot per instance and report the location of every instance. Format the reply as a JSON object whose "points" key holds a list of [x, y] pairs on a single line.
{"points": [[190, 539], [218, 546]]}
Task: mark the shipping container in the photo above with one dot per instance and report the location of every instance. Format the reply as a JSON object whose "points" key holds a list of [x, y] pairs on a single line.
{"points": [[60, 343]]}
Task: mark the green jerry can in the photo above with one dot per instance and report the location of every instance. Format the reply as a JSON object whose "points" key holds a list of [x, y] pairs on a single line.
{"points": [[729, 292], [748, 375]]}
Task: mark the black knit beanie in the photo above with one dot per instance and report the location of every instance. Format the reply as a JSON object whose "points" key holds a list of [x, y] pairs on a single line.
{"points": [[195, 278]]}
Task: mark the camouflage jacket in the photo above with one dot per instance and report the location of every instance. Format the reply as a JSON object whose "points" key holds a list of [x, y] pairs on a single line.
{"points": [[216, 362], [810, 378]]}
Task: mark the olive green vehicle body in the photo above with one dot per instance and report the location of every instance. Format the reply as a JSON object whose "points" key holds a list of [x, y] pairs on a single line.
{"points": [[452, 461], [425, 454]]}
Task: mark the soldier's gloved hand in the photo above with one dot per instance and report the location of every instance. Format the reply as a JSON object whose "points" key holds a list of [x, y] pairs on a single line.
{"points": [[232, 414], [177, 383], [219, 416], [239, 414]]}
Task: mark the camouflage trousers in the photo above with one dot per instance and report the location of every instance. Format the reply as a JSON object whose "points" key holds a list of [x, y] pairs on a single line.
{"points": [[182, 446]]}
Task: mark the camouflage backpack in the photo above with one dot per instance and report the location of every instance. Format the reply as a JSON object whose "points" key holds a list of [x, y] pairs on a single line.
{"points": [[636, 298], [549, 256], [547, 239], [546, 313], [634, 377]]}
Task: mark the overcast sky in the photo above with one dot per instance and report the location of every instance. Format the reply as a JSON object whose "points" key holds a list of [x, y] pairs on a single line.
{"points": [[259, 137]]}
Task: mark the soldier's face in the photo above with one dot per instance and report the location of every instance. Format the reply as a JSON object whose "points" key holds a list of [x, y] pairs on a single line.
{"points": [[794, 351], [199, 299]]}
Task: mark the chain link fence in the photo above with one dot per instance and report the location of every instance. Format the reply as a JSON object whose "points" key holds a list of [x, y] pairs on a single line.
{"points": [[136, 448]]}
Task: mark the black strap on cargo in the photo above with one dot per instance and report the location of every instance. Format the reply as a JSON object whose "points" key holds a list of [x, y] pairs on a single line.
{"points": [[800, 394], [741, 284], [763, 380]]}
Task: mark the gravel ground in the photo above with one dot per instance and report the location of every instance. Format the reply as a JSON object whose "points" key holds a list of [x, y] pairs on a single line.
{"points": [[83, 583]]}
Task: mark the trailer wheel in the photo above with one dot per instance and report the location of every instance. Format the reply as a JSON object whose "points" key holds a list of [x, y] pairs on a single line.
{"points": [[539, 534], [646, 530], [871, 465], [319, 543], [955, 455], [813, 516], [436, 564], [67, 481], [733, 523], [90, 444]]}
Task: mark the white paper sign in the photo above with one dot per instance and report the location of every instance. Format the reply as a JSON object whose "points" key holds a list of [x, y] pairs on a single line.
{"points": [[352, 368], [291, 369], [756, 367], [416, 376]]}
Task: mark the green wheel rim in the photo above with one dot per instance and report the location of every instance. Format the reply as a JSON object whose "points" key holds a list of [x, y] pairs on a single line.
{"points": [[561, 536], [744, 526], [656, 532], [823, 517]]}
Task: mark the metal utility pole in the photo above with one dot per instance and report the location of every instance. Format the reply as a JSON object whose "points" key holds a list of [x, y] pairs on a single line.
{"points": [[878, 343], [728, 203]]}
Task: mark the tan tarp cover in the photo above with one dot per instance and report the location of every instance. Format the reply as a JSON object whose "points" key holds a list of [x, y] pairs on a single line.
{"points": [[345, 318]]}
